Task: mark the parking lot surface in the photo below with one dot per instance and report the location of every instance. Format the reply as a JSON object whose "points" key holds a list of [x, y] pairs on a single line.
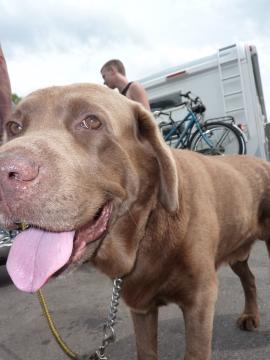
{"points": [[79, 304]]}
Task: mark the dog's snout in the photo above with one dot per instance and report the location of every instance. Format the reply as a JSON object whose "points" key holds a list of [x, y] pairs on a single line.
{"points": [[16, 170]]}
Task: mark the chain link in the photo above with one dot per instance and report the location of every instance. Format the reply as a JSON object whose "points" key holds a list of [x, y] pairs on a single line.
{"points": [[108, 329], [6, 237]]}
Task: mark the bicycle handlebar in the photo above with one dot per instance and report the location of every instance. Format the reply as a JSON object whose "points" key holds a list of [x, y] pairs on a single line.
{"points": [[195, 100], [198, 108], [168, 112], [186, 95]]}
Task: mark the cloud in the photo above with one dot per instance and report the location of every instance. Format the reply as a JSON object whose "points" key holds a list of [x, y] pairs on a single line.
{"points": [[60, 27], [58, 42]]}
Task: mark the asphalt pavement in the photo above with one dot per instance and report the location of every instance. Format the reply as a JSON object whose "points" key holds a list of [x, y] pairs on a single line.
{"points": [[79, 304]]}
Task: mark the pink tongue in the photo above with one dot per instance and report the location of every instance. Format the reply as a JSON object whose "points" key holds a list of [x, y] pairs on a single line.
{"points": [[36, 255]]}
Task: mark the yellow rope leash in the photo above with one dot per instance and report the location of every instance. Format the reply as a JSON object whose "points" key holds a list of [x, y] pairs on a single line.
{"points": [[49, 319], [109, 334], [53, 328]]}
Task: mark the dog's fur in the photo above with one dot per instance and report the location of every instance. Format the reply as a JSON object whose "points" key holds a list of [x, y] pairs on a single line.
{"points": [[177, 215]]}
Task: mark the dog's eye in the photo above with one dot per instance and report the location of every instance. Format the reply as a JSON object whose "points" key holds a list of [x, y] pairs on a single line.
{"points": [[14, 128], [91, 122]]}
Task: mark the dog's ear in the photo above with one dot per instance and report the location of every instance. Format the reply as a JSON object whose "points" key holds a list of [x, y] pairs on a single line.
{"points": [[147, 130]]}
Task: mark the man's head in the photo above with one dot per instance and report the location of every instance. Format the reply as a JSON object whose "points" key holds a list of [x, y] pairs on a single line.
{"points": [[111, 71]]}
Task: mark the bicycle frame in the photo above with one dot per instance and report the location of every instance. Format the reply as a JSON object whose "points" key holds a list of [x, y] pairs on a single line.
{"points": [[183, 140], [179, 136]]}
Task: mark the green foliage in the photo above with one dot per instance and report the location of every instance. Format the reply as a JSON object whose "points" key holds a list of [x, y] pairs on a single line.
{"points": [[15, 98]]}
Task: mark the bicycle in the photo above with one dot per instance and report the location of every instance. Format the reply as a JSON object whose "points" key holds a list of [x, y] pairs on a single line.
{"points": [[216, 136]]}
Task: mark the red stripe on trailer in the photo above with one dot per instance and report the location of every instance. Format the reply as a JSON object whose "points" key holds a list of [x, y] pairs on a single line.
{"points": [[176, 74]]}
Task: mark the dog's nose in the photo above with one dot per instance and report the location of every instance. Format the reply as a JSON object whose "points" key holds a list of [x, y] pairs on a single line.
{"points": [[17, 171]]}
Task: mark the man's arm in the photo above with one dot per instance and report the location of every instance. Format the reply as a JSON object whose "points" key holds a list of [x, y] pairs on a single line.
{"points": [[138, 93], [5, 92]]}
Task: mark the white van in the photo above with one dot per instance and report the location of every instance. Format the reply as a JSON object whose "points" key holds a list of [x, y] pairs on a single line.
{"points": [[229, 84]]}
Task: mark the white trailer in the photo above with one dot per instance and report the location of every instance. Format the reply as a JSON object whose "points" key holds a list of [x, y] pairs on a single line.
{"points": [[229, 84]]}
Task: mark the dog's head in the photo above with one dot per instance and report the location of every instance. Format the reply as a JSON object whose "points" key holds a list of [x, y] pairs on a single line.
{"points": [[84, 167]]}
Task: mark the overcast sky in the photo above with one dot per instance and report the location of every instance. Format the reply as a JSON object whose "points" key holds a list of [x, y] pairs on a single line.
{"points": [[57, 42]]}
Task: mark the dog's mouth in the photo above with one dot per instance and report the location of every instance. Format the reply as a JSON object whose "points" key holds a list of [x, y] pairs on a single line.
{"points": [[37, 254]]}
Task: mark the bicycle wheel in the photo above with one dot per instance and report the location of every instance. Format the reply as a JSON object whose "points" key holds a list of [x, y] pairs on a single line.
{"points": [[218, 138]]}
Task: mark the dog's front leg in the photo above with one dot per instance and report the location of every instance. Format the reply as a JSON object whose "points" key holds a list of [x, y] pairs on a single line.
{"points": [[145, 326], [198, 318]]}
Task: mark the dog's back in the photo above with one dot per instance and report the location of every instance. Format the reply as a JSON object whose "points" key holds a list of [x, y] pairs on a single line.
{"points": [[230, 196]]}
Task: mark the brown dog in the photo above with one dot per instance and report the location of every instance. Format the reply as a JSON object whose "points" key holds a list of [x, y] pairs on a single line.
{"points": [[89, 171]]}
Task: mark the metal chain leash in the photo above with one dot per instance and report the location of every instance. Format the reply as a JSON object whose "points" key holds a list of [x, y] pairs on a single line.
{"points": [[108, 329], [6, 237]]}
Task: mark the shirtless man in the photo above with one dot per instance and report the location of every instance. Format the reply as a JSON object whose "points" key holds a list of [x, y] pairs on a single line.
{"points": [[114, 75]]}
